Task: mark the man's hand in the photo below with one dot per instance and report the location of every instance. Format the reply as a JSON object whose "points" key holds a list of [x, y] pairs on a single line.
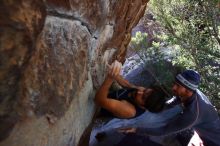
{"points": [[127, 130]]}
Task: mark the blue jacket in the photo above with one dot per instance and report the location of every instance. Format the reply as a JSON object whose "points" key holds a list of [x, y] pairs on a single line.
{"points": [[198, 114]]}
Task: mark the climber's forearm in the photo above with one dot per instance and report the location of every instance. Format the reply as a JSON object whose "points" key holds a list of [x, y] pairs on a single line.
{"points": [[124, 83], [102, 93]]}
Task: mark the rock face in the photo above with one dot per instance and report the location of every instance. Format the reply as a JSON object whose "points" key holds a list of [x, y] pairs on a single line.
{"points": [[53, 57]]}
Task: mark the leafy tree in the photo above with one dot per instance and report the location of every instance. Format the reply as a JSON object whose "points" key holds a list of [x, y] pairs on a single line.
{"points": [[192, 27], [154, 59]]}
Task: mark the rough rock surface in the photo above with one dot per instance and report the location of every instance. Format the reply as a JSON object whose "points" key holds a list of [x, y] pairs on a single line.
{"points": [[53, 54]]}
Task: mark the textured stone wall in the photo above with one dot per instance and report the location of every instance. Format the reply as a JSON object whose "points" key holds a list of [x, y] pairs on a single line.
{"points": [[53, 55]]}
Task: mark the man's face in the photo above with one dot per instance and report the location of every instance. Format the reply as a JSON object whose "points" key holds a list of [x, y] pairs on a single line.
{"points": [[179, 91]]}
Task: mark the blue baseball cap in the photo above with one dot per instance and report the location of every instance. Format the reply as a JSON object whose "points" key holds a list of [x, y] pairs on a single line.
{"points": [[189, 79]]}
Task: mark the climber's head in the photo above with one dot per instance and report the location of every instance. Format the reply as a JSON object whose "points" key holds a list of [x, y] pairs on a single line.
{"points": [[152, 99]]}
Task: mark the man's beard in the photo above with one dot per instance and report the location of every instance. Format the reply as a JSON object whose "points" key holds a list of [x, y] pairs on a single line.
{"points": [[175, 93]]}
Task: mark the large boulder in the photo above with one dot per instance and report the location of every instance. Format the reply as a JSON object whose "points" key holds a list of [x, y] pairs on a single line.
{"points": [[53, 57]]}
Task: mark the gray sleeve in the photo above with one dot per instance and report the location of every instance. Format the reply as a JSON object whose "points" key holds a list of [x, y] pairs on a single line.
{"points": [[147, 120], [179, 123]]}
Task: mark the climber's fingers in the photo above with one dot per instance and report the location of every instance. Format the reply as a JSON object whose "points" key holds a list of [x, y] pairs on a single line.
{"points": [[118, 68], [115, 68]]}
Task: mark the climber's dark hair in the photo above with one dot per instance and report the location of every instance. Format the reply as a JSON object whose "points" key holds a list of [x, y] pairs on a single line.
{"points": [[155, 102]]}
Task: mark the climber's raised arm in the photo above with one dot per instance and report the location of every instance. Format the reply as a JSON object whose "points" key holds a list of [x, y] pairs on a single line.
{"points": [[112, 105], [127, 102]]}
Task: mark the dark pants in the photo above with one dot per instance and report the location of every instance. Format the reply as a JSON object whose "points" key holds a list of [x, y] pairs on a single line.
{"points": [[207, 142], [136, 140], [184, 137]]}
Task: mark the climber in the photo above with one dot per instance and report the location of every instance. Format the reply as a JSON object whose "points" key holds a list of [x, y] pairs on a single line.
{"points": [[197, 114], [131, 101]]}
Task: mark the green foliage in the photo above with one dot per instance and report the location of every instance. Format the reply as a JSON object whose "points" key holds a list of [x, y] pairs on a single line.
{"points": [[139, 41], [183, 58], [193, 26], [153, 58]]}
